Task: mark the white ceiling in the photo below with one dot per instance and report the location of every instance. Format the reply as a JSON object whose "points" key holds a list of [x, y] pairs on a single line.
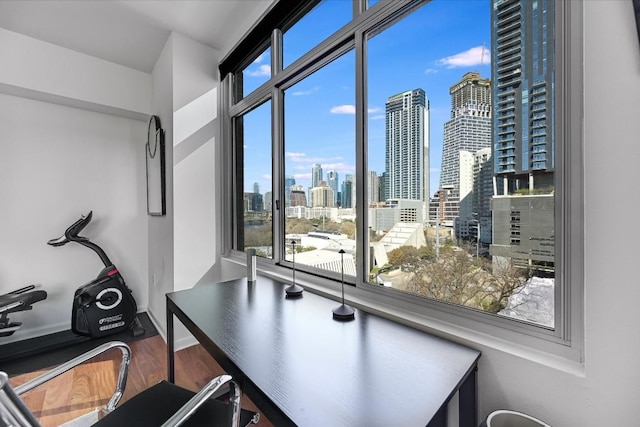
{"points": [[130, 32]]}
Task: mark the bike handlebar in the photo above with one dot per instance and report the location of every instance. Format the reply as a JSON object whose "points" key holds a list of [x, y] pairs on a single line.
{"points": [[71, 234]]}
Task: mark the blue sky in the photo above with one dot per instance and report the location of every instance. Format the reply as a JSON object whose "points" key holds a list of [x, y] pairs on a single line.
{"points": [[430, 49]]}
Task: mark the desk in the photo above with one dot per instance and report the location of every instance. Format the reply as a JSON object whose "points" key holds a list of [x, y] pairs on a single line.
{"points": [[303, 368]]}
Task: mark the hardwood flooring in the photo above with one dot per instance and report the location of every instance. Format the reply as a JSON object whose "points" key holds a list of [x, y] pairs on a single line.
{"points": [[91, 385]]}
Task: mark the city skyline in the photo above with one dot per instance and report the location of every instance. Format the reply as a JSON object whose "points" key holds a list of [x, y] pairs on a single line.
{"points": [[330, 96]]}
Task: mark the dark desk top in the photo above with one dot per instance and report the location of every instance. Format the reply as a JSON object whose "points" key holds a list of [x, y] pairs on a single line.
{"points": [[317, 371]]}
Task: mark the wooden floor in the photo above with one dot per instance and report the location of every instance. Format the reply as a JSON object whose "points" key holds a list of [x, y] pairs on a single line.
{"points": [[90, 385]]}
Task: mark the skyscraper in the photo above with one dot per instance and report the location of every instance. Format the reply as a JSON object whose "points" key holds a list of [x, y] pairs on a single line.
{"points": [[407, 146], [373, 188], [289, 181], [347, 191], [468, 131], [523, 46], [316, 175], [332, 182], [482, 192], [523, 133], [469, 128]]}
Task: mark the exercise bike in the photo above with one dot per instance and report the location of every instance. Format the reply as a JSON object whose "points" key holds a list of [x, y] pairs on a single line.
{"points": [[19, 300], [105, 305]]}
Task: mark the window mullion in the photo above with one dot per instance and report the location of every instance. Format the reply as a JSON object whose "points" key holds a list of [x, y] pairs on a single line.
{"points": [[277, 152], [362, 237]]}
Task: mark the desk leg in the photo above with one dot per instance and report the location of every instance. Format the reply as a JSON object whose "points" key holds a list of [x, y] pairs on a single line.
{"points": [[170, 347], [468, 401]]}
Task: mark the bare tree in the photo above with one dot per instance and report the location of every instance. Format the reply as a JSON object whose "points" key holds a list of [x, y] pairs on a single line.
{"points": [[460, 278]]}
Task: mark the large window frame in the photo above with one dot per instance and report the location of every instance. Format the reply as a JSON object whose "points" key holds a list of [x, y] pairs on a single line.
{"points": [[566, 339]]}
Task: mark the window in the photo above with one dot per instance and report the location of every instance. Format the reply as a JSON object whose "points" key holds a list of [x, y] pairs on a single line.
{"points": [[432, 141], [255, 215], [318, 24], [253, 75], [319, 145]]}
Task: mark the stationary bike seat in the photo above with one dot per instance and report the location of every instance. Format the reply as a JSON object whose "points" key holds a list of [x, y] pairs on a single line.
{"points": [[17, 302]]}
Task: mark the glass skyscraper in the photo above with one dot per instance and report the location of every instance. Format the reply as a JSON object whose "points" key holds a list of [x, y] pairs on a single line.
{"points": [[523, 132], [407, 146], [522, 81]]}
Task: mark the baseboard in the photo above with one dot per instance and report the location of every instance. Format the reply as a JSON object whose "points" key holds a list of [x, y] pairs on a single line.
{"points": [[179, 343]]}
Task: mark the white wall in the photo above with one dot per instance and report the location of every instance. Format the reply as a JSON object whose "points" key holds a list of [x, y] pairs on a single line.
{"points": [[72, 133], [35, 69], [57, 162], [182, 245], [195, 122], [161, 227]]}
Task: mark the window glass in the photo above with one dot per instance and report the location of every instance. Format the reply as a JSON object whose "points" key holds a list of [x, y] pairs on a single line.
{"points": [[458, 169], [322, 21], [254, 147], [461, 167], [254, 75], [319, 135]]}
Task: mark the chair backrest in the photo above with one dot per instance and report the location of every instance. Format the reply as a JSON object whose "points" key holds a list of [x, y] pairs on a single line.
{"points": [[13, 411]]}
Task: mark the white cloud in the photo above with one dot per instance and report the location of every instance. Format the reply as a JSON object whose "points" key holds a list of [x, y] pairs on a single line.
{"points": [[296, 157], [266, 177], [430, 71], [351, 109], [302, 158], [343, 109], [474, 56], [259, 59], [261, 71], [306, 92]]}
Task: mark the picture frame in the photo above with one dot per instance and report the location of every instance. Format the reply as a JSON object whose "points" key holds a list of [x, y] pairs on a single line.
{"points": [[155, 168]]}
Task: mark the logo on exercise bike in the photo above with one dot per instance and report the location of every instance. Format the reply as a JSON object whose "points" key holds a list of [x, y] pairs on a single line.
{"points": [[106, 301]]}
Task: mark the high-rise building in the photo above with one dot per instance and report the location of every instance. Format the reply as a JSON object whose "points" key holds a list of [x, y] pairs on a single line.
{"points": [[298, 197], [407, 146], [373, 188], [468, 131], [482, 192], [347, 192], [316, 175], [289, 181], [523, 132], [382, 187], [464, 224], [268, 201], [321, 196], [332, 182], [253, 202], [523, 46], [470, 126]]}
